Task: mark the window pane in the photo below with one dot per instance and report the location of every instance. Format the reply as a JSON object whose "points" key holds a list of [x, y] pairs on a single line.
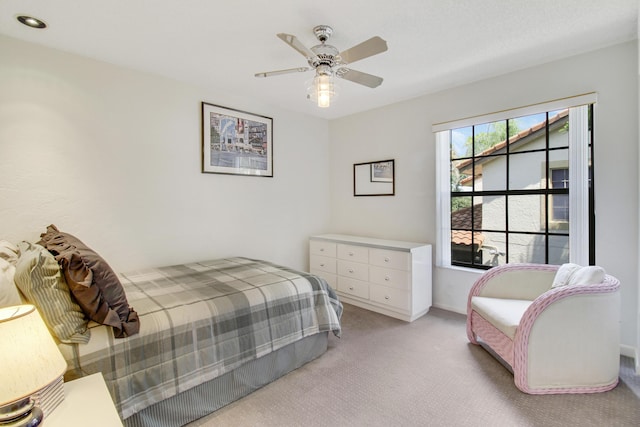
{"points": [[559, 128], [493, 212], [461, 213], [530, 133], [461, 142], [559, 203], [558, 249], [492, 173], [460, 175], [527, 171], [489, 137], [524, 123], [559, 207], [526, 248], [494, 249], [465, 247], [559, 159], [526, 213]]}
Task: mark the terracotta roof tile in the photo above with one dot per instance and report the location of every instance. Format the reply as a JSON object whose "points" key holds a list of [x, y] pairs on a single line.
{"points": [[462, 219], [464, 238]]}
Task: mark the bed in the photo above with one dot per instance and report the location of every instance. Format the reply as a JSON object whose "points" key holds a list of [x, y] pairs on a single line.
{"points": [[201, 336], [210, 333]]}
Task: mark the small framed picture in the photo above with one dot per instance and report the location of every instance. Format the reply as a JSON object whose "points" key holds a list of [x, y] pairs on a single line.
{"points": [[236, 142], [374, 178]]}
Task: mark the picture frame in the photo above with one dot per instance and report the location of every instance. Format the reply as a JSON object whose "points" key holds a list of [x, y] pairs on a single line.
{"points": [[236, 142], [374, 178]]}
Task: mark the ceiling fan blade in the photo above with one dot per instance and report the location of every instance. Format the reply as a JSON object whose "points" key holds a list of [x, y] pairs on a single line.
{"points": [[359, 77], [373, 46], [296, 44], [287, 71]]}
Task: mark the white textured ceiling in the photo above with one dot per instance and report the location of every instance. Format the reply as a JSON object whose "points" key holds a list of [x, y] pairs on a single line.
{"points": [[433, 44]]}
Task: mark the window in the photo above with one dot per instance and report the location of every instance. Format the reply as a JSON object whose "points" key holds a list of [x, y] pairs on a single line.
{"points": [[517, 189]]}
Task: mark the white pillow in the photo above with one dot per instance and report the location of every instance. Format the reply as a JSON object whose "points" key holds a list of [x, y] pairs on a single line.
{"points": [[587, 276], [573, 274], [563, 275], [9, 294]]}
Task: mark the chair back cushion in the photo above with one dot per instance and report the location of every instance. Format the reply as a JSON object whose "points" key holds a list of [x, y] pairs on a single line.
{"points": [[574, 274]]}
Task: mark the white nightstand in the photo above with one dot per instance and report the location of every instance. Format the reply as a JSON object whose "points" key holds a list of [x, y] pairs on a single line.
{"points": [[86, 402]]}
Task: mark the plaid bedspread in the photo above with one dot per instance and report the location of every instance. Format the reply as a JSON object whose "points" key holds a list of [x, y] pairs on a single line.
{"points": [[201, 320]]}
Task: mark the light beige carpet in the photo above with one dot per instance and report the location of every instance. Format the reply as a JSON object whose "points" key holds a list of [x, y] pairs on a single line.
{"points": [[386, 372]]}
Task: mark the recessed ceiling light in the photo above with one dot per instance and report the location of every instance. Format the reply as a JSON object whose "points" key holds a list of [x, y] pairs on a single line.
{"points": [[32, 22]]}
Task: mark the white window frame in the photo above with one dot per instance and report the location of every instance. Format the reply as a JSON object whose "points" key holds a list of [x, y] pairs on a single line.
{"points": [[578, 172]]}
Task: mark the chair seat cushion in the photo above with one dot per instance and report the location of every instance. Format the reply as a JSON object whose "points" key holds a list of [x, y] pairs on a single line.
{"points": [[504, 314]]}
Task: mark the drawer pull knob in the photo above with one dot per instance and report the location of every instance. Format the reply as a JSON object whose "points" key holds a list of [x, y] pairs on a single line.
{"points": [[386, 259], [351, 270], [350, 288], [386, 297], [322, 264], [321, 249], [350, 253], [387, 278]]}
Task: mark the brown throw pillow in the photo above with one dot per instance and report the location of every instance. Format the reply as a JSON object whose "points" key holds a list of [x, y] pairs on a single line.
{"points": [[93, 283]]}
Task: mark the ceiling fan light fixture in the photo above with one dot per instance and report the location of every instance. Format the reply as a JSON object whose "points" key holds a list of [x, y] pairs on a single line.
{"points": [[322, 88]]}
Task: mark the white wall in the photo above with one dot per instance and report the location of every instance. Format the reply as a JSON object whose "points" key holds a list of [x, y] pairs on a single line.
{"points": [[114, 156], [403, 131]]}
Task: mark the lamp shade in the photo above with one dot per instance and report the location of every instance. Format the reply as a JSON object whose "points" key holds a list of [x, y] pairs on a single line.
{"points": [[29, 358]]}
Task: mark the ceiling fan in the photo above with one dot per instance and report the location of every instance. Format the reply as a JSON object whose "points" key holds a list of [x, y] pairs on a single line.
{"points": [[327, 61]]}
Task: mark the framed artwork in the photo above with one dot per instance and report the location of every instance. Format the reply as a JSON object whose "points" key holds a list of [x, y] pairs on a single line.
{"points": [[236, 142], [382, 171], [374, 178]]}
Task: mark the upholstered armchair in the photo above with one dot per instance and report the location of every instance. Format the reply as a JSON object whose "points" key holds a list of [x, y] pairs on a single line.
{"points": [[560, 339]]}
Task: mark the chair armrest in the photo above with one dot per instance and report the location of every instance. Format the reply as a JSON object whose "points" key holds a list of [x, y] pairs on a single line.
{"points": [[514, 281], [555, 331]]}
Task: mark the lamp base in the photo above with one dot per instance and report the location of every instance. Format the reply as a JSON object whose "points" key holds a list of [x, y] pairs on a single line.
{"points": [[21, 413]]}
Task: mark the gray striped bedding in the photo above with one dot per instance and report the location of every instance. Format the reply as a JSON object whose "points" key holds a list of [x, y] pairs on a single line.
{"points": [[199, 321]]}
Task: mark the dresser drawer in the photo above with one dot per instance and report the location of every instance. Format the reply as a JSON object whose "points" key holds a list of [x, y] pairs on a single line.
{"points": [[353, 287], [389, 296], [331, 279], [398, 279], [390, 259], [320, 247], [322, 263], [353, 253], [353, 270]]}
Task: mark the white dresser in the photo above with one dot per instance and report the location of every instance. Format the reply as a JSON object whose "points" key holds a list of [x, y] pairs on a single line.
{"points": [[387, 276]]}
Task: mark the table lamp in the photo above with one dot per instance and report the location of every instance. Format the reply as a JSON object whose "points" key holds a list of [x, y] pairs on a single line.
{"points": [[29, 361]]}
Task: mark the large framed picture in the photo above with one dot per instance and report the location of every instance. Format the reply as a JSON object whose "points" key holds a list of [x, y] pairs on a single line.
{"points": [[236, 142]]}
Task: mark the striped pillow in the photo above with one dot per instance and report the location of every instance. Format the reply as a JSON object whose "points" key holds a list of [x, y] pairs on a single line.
{"points": [[39, 278]]}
